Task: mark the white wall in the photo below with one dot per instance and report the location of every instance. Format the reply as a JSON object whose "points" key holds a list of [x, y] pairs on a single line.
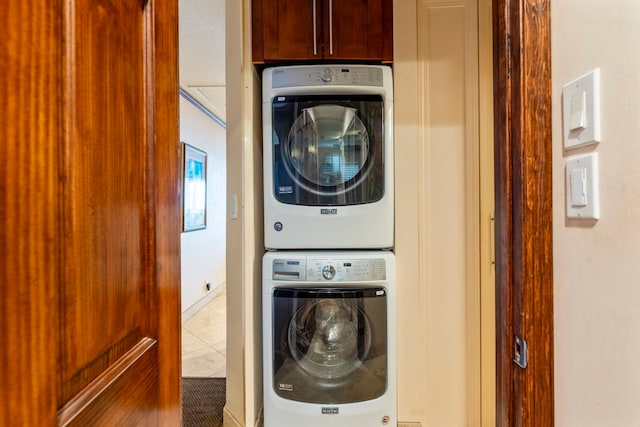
{"points": [[203, 251], [597, 264]]}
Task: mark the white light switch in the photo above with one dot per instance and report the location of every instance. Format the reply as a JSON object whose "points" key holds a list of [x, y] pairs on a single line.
{"points": [[582, 187], [578, 111], [581, 110], [233, 207]]}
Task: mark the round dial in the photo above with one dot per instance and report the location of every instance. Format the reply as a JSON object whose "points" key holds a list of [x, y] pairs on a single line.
{"points": [[326, 75], [328, 271]]}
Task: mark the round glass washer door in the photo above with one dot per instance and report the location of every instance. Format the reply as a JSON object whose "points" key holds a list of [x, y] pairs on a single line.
{"points": [[328, 146], [329, 344], [329, 338]]}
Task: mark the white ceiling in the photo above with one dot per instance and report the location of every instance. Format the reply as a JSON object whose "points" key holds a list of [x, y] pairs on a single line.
{"points": [[201, 44]]}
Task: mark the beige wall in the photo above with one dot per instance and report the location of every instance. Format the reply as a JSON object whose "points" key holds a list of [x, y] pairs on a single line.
{"points": [[597, 264], [244, 234], [443, 145], [234, 411]]}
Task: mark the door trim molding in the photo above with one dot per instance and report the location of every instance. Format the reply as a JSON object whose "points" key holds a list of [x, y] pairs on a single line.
{"points": [[106, 382], [523, 176]]}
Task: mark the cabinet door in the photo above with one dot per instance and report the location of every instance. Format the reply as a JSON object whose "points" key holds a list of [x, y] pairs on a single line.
{"points": [[307, 30], [291, 29], [355, 29]]}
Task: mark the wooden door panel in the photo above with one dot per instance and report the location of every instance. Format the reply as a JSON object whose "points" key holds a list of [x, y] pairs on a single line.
{"points": [[105, 286], [288, 27], [356, 29]]}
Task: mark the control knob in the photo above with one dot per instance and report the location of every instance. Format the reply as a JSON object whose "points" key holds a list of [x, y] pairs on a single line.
{"points": [[328, 271], [325, 75]]}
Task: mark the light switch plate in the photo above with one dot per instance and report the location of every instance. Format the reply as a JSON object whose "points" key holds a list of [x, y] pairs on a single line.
{"points": [[582, 187], [581, 127], [233, 207]]}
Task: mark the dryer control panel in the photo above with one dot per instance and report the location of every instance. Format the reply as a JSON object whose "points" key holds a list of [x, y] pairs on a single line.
{"points": [[327, 75], [334, 270]]}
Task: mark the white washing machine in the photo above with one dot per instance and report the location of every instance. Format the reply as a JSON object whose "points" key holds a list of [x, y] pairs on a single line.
{"points": [[329, 339], [328, 157]]}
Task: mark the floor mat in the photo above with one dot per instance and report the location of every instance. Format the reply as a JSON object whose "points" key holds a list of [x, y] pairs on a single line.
{"points": [[203, 400]]}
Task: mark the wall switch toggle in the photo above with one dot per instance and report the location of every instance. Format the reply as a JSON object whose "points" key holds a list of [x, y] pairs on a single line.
{"points": [[578, 111], [582, 187], [233, 206], [578, 187]]}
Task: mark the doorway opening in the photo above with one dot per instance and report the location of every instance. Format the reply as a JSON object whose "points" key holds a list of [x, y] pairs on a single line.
{"points": [[203, 126]]}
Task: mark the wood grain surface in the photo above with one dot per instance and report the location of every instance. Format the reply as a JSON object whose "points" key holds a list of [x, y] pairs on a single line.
{"points": [[524, 267], [90, 214]]}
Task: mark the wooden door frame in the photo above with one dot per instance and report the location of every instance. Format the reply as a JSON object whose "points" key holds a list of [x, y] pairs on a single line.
{"points": [[523, 175]]}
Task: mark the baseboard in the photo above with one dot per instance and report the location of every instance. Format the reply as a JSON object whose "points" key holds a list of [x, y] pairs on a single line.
{"points": [[260, 420], [405, 424], [228, 420], [206, 299]]}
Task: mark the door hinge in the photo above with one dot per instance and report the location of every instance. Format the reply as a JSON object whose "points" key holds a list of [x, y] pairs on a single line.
{"points": [[520, 352]]}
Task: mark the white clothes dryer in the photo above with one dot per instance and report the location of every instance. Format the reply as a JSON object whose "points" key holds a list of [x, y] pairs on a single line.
{"points": [[328, 157], [329, 339]]}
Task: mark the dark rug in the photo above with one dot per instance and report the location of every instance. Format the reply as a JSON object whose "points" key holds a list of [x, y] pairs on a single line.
{"points": [[202, 401]]}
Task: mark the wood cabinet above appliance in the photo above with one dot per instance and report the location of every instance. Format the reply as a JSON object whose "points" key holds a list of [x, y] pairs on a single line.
{"points": [[314, 30]]}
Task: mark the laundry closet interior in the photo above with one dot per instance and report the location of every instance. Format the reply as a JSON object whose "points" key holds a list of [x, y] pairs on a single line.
{"points": [[314, 177], [328, 289]]}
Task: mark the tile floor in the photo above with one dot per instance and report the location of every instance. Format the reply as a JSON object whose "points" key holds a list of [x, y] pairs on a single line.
{"points": [[204, 343]]}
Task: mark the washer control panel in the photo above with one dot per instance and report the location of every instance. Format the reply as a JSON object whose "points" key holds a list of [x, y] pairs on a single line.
{"points": [[334, 270]]}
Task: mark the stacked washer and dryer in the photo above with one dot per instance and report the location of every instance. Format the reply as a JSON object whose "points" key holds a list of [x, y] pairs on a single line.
{"points": [[329, 271]]}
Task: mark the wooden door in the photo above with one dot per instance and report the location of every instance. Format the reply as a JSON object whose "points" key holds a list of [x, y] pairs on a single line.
{"points": [[524, 266], [90, 212]]}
